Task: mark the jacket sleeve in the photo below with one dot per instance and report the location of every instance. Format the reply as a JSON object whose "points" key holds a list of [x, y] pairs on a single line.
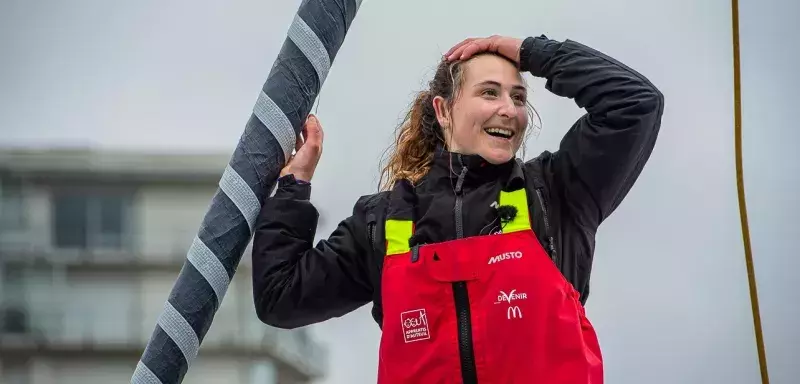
{"points": [[604, 152], [296, 283]]}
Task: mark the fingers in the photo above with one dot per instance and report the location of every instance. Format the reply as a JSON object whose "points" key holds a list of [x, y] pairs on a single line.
{"points": [[505, 46], [308, 149], [458, 52], [313, 130], [470, 47], [453, 52], [312, 133], [473, 48]]}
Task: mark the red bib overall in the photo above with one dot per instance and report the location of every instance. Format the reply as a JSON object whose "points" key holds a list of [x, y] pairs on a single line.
{"points": [[485, 309]]}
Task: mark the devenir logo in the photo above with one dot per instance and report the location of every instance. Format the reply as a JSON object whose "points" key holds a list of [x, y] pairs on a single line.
{"points": [[505, 256], [415, 325], [509, 297]]}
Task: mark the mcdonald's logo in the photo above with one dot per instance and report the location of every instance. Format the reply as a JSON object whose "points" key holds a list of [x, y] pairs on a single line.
{"points": [[514, 312]]}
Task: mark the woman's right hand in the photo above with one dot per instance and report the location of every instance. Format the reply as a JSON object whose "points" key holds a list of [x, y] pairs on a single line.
{"points": [[308, 151]]}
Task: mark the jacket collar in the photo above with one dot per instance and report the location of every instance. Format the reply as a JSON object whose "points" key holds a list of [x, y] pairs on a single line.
{"points": [[443, 176], [447, 166]]}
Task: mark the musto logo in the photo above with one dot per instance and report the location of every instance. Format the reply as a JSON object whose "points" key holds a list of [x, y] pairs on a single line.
{"points": [[505, 256], [415, 325]]}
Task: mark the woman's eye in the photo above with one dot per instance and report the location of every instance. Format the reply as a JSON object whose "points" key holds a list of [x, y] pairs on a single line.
{"points": [[520, 99], [489, 92]]}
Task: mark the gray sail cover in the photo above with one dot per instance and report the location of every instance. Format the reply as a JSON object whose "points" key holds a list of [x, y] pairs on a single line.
{"points": [[315, 36]]}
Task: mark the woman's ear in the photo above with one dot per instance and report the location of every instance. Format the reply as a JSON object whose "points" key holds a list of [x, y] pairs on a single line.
{"points": [[442, 112]]}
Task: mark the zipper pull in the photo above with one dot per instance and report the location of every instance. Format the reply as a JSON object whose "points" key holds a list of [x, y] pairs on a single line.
{"points": [[553, 249], [371, 223], [415, 253], [460, 182]]}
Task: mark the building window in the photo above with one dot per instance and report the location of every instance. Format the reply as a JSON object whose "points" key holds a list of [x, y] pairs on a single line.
{"points": [[12, 204], [13, 308], [91, 220], [263, 372]]}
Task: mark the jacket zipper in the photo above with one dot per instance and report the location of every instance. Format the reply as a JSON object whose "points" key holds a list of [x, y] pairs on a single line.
{"points": [[550, 240], [469, 373], [371, 223]]}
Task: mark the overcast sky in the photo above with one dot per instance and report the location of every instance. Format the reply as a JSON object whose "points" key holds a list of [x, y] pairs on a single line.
{"points": [[669, 295]]}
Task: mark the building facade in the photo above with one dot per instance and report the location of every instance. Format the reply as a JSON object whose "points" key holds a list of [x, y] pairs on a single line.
{"points": [[90, 245]]}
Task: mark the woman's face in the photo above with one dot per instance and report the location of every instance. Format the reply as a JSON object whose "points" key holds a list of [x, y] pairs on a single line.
{"points": [[489, 115]]}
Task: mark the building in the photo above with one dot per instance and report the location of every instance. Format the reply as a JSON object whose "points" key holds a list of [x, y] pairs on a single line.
{"points": [[91, 243]]}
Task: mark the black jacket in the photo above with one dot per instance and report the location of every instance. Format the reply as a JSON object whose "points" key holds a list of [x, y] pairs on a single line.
{"points": [[571, 191]]}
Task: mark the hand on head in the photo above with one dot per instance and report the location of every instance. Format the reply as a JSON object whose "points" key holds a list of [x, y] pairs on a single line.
{"points": [[488, 115], [503, 45]]}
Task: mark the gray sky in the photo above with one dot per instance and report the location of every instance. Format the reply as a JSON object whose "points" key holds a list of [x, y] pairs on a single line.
{"points": [[669, 295]]}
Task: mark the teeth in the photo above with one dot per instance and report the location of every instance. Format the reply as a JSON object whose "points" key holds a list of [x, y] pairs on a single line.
{"points": [[500, 131]]}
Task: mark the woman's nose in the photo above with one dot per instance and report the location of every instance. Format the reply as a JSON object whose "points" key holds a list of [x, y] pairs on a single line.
{"points": [[508, 109]]}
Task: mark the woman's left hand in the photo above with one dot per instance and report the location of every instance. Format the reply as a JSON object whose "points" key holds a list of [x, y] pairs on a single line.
{"points": [[506, 46]]}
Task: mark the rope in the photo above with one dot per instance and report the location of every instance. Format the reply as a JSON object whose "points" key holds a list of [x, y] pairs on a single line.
{"points": [[748, 252]]}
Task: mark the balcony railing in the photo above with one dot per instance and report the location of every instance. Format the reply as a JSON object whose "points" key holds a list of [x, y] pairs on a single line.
{"points": [[22, 247], [74, 331], [45, 306]]}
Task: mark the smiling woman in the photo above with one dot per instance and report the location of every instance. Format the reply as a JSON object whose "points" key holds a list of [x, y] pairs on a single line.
{"points": [[463, 227]]}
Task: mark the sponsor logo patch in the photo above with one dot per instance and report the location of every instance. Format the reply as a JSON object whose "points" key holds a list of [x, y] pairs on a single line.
{"points": [[415, 325]]}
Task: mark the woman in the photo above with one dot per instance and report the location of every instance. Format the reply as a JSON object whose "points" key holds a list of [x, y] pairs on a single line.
{"points": [[477, 264]]}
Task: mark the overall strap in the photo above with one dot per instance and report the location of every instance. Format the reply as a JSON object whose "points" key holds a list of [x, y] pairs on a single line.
{"points": [[399, 225], [398, 234], [519, 200]]}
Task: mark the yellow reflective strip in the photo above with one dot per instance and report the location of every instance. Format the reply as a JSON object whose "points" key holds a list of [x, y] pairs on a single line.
{"points": [[519, 200], [398, 232]]}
